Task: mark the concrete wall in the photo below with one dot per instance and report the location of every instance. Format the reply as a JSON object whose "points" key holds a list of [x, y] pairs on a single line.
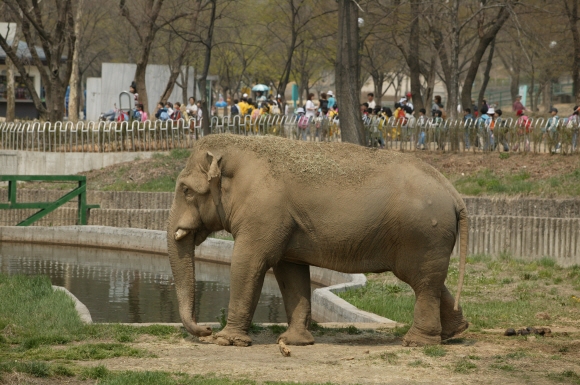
{"points": [[60, 163], [117, 77], [476, 206], [522, 236], [326, 307]]}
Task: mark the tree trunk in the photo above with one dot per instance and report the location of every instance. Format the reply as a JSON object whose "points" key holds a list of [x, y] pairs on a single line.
{"points": [[453, 90], [10, 86], [348, 73], [484, 41], [430, 84], [73, 100], [378, 80], [208, 42], [515, 83], [175, 71], [547, 95], [573, 18], [185, 84], [486, 76], [413, 57], [140, 76]]}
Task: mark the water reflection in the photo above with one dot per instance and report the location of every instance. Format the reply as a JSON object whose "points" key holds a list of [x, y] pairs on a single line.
{"points": [[122, 286]]}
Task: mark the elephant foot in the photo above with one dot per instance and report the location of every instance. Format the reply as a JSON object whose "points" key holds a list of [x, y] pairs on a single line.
{"points": [[299, 337], [415, 338], [451, 331], [229, 338]]}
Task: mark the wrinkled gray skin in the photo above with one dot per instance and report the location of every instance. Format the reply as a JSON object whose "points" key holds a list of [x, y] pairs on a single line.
{"points": [[404, 217]]}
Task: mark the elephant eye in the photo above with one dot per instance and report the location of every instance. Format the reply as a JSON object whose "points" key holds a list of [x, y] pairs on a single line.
{"points": [[185, 190]]}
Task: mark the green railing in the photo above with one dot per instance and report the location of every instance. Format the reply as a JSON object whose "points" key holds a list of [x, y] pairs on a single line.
{"points": [[48, 207]]}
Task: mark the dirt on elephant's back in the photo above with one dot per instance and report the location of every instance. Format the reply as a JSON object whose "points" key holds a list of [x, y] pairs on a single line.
{"points": [[313, 162]]}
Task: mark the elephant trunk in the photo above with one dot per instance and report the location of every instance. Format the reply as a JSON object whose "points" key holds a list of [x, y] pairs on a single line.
{"points": [[181, 256]]}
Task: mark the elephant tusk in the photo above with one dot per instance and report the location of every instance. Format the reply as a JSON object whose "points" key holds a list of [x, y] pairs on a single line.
{"points": [[180, 233]]}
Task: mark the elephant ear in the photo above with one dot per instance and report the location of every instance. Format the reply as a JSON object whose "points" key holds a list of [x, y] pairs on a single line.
{"points": [[214, 177]]}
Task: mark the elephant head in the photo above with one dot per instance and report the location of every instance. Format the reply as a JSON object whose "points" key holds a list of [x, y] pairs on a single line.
{"points": [[195, 214]]}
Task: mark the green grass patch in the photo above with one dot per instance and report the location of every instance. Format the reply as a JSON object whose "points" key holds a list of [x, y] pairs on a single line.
{"points": [[33, 314], [434, 351], [390, 357], [501, 292], [464, 366], [568, 376], [36, 368], [393, 301], [85, 352], [489, 182]]}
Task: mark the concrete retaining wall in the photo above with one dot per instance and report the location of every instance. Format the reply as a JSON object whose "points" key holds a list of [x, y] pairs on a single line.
{"points": [[523, 237], [526, 238], [51, 163], [476, 206], [326, 307]]}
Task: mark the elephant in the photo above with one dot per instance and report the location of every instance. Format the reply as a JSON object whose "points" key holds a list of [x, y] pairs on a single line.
{"points": [[292, 204]]}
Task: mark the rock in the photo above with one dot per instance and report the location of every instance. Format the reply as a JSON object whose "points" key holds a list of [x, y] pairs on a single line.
{"points": [[532, 330], [543, 315], [509, 332], [523, 332]]}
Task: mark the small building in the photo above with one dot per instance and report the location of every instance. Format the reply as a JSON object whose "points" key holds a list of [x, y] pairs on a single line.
{"points": [[24, 105]]}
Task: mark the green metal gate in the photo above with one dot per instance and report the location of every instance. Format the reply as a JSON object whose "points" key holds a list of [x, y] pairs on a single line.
{"points": [[46, 208]]}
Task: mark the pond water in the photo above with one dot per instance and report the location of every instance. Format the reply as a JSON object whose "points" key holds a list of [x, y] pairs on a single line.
{"points": [[123, 286]]}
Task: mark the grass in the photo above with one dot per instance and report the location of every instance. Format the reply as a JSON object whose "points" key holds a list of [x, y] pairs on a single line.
{"points": [[498, 293], [434, 351], [464, 365], [488, 182], [33, 314], [172, 162]]}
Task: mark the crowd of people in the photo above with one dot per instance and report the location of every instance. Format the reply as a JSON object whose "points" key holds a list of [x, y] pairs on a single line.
{"points": [[486, 120]]}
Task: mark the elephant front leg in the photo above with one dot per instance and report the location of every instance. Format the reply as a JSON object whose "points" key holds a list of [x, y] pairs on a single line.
{"points": [[246, 280], [294, 282]]}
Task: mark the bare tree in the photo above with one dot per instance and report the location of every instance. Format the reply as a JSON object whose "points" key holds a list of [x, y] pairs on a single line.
{"points": [[571, 8], [10, 81], [73, 104], [487, 31], [51, 24], [145, 17], [347, 71]]}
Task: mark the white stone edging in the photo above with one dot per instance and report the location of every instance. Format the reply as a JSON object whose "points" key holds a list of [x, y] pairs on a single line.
{"points": [[326, 306], [80, 307]]}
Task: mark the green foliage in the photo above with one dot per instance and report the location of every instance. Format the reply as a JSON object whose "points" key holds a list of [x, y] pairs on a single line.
{"points": [[390, 357], [35, 314], [568, 376], [393, 301], [84, 352], [434, 351], [222, 318], [277, 329], [464, 366], [95, 372], [489, 182]]}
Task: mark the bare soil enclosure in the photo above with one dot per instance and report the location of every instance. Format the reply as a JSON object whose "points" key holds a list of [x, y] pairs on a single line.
{"points": [[367, 357]]}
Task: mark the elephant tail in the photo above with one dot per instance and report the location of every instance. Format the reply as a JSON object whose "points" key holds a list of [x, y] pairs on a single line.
{"points": [[463, 239]]}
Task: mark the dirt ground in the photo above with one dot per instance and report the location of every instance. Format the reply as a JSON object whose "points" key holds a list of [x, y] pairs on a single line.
{"points": [[371, 357]]}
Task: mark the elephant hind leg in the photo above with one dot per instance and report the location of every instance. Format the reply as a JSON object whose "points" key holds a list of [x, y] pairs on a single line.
{"points": [[426, 328], [294, 282], [452, 322]]}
